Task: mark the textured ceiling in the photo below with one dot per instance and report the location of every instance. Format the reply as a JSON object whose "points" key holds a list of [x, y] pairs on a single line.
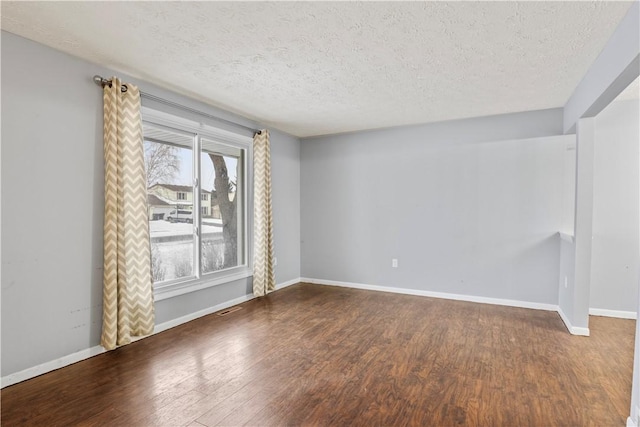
{"points": [[312, 68]]}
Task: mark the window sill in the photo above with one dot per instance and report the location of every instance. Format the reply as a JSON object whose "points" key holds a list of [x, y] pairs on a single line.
{"points": [[194, 285], [566, 237]]}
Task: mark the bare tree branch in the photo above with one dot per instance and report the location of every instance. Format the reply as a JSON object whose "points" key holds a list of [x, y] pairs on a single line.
{"points": [[162, 161]]}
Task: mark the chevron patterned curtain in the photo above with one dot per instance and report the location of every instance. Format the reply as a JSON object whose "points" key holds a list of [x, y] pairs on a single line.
{"points": [[264, 280], [128, 294]]}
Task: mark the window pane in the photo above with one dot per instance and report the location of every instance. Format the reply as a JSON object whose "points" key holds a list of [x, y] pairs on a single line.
{"points": [[169, 167], [223, 229]]}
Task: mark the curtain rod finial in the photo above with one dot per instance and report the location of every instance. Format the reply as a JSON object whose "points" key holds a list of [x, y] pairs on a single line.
{"points": [[99, 80]]}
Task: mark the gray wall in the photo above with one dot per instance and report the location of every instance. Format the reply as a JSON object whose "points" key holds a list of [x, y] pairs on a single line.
{"points": [[467, 207], [615, 251], [52, 203], [285, 179]]}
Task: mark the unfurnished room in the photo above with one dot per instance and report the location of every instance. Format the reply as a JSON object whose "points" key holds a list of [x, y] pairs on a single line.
{"points": [[320, 213]]}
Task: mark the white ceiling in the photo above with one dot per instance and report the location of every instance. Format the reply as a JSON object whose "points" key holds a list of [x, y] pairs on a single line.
{"points": [[313, 68]]}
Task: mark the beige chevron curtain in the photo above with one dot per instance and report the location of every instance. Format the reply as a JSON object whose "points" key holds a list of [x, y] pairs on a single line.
{"points": [[264, 280], [128, 294]]}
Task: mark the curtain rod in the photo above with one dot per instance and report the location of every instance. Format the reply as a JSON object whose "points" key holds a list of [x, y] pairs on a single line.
{"points": [[101, 81]]}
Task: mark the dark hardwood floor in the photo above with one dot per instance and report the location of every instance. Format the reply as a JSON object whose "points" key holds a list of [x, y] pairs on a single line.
{"points": [[321, 355]]}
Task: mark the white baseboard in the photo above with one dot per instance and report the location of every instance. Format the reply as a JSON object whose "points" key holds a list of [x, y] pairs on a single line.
{"points": [[442, 295], [288, 283], [470, 298], [94, 351], [630, 423], [160, 327], [573, 330], [50, 366], [613, 313], [192, 316]]}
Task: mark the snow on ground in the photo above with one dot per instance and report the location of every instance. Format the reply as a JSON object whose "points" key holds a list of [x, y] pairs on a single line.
{"points": [[176, 255], [176, 259], [166, 228]]}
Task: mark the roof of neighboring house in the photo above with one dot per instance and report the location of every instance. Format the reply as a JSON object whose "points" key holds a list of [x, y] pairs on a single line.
{"points": [[181, 188], [154, 200]]}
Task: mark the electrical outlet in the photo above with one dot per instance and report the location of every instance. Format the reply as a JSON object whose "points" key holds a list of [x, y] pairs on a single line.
{"points": [[275, 261], [566, 282], [394, 263]]}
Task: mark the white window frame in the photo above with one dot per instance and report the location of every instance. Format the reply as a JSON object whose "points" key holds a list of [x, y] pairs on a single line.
{"points": [[198, 281], [184, 195]]}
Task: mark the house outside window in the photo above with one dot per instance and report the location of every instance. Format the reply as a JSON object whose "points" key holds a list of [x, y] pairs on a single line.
{"points": [[165, 196], [202, 241]]}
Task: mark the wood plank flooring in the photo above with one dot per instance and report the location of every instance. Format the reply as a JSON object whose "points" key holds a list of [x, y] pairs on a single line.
{"points": [[321, 355]]}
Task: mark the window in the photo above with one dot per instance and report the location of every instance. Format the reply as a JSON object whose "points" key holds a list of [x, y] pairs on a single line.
{"points": [[225, 165], [199, 241]]}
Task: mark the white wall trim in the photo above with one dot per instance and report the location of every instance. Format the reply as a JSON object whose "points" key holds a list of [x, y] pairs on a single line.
{"points": [[470, 298], [573, 330], [566, 237], [194, 285], [51, 366], [192, 316], [94, 351], [613, 313], [160, 327], [288, 283], [442, 295]]}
